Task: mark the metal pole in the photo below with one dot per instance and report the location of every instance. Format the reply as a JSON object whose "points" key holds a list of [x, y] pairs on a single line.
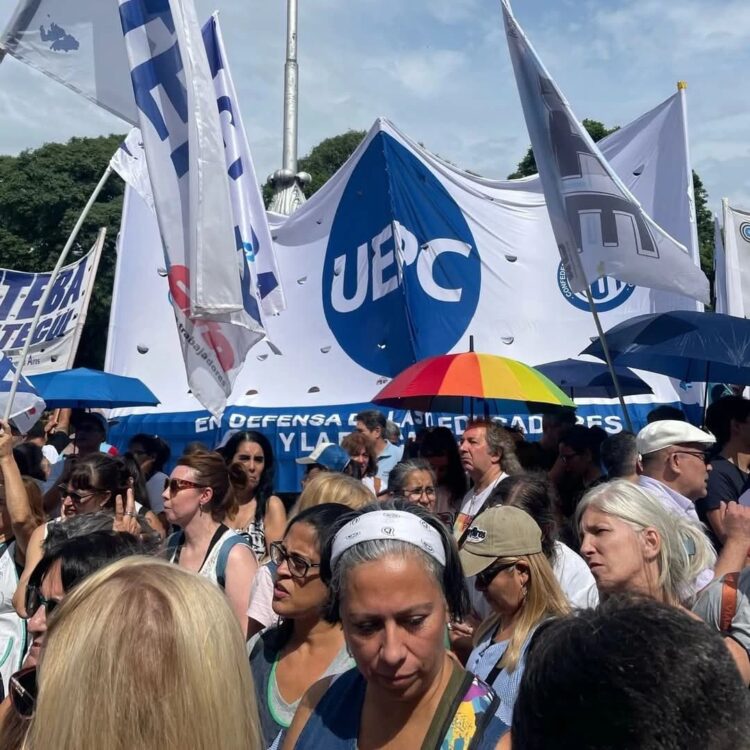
{"points": [[45, 295], [607, 356], [291, 88]]}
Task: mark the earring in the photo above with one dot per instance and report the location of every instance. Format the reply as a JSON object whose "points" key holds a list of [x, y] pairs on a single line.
{"points": [[201, 508]]}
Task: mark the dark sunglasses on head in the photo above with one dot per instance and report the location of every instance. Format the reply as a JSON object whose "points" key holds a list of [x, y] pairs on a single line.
{"points": [[485, 578], [177, 485], [23, 689], [35, 599]]}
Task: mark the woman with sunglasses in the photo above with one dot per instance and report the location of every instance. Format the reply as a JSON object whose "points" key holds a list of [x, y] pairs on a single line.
{"points": [[95, 483], [259, 515], [413, 480], [198, 497], [395, 581], [503, 549], [286, 660]]}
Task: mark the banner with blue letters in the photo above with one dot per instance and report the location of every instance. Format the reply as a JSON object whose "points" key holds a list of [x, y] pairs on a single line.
{"points": [[55, 340], [398, 257]]}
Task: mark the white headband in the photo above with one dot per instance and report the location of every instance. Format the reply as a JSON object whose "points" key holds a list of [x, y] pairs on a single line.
{"points": [[389, 524]]}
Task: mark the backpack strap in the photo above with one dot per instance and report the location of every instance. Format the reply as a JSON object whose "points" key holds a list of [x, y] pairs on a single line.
{"points": [[728, 608], [221, 562]]}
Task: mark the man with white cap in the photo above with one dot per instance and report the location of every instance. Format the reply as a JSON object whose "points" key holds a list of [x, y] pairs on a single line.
{"points": [[675, 464]]}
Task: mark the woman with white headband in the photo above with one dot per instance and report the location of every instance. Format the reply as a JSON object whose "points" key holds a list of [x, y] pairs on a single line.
{"points": [[395, 584]]}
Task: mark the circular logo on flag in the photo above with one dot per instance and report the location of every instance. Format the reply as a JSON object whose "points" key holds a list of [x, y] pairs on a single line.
{"points": [[745, 231], [402, 274], [607, 293]]}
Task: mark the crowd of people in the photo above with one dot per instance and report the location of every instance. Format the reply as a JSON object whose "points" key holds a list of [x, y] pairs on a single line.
{"points": [[484, 591]]}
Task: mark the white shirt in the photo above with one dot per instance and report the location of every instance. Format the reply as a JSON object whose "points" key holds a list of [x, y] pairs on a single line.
{"points": [[574, 577]]}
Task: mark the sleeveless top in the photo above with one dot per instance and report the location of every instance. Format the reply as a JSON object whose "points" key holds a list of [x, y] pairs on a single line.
{"points": [[12, 627], [465, 719], [255, 535], [275, 713], [223, 538]]}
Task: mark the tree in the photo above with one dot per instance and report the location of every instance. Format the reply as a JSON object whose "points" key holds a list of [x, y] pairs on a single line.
{"points": [[527, 166], [324, 161], [42, 193]]}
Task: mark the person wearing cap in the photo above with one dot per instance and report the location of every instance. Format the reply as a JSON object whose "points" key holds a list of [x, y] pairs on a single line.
{"points": [[503, 549], [325, 457], [675, 464], [91, 434]]}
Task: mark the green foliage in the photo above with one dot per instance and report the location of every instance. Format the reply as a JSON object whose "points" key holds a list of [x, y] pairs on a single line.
{"points": [[327, 157], [42, 193]]}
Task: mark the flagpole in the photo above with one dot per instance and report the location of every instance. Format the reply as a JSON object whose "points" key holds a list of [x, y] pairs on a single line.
{"points": [[48, 290], [608, 358]]}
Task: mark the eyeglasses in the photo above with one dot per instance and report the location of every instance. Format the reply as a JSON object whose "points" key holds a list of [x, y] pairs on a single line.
{"points": [[704, 456], [177, 485], [35, 599], [23, 691], [416, 492], [77, 497], [298, 566], [485, 578]]}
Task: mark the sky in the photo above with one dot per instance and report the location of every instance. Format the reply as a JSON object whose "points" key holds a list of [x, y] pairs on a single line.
{"points": [[440, 71]]}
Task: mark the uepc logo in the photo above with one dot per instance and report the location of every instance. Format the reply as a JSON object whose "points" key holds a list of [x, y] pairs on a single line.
{"points": [[402, 275], [607, 293]]}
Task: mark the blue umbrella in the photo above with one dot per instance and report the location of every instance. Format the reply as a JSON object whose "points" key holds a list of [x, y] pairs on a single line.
{"points": [[582, 379], [698, 347], [87, 389]]}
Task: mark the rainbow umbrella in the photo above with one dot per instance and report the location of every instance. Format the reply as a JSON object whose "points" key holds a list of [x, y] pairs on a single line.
{"points": [[451, 383]]}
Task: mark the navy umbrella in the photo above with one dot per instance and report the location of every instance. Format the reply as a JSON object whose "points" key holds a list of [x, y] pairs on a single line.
{"points": [[87, 389], [698, 347], [582, 379]]}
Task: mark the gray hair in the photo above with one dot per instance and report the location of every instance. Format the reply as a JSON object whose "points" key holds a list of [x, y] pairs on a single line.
{"points": [[449, 578], [392, 431], [400, 474], [88, 523], [685, 550]]}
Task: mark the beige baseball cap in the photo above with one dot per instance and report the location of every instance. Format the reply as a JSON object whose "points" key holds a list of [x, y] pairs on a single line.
{"points": [[503, 531], [668, 432]]}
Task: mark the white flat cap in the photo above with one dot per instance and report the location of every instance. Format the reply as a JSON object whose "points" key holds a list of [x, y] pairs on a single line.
{"points": [[668, 432]]}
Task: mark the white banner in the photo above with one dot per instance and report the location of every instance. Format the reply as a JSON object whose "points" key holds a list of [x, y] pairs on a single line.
{"points": [[78, 44], [27, 403], [734, 275], [217, 316], [55, 340], [600, 227], [401, 256]]}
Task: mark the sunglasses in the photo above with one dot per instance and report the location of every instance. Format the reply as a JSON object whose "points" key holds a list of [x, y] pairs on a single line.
{"points": [[704, 456], [177, 485], [485, 578], [298, 566], [35, 599], [77, 497], [23, 689]]}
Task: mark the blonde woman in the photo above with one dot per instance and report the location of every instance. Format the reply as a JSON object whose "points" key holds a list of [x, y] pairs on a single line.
{"points": [[183, 682], [633, 544], [503, 549], [328, 487]]}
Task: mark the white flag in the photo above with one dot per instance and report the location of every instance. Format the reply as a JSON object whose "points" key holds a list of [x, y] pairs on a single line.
{"points": [[600, 228], [736, 267], [217, 317], [28, 405], [250, 221], [78, 44], [129, 161]]}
